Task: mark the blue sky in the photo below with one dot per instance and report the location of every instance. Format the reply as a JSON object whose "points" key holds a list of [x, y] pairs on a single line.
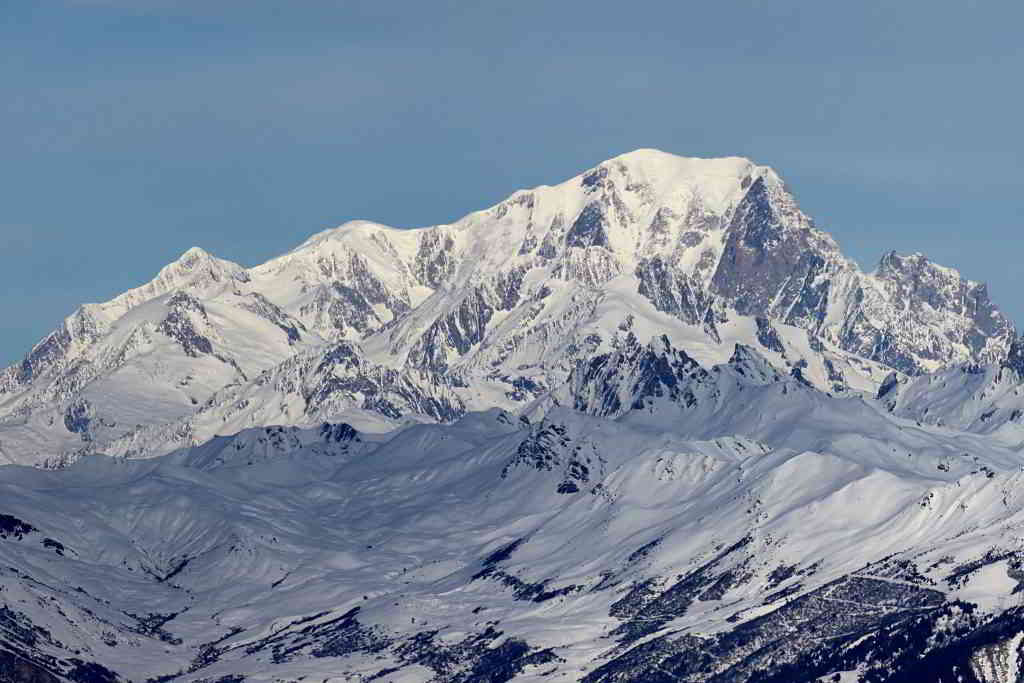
{"points": [[134, 129]]}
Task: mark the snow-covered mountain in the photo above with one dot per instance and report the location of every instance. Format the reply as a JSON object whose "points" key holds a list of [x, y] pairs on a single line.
{"points": [[499, 307], [645, 425]]}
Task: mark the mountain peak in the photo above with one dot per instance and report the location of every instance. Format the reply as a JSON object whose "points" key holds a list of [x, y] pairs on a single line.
{"points": [[196, 269], [896, 265], [191, 259], [648, 155], [665, 168], [348, 229], [193, 253], [196, 261]]}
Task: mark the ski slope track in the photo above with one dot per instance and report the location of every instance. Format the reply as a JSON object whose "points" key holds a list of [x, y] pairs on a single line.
{"points": [[646, 425]]}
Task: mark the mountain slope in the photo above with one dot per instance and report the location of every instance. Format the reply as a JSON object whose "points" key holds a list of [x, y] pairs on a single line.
{"points": [[794, 536]]}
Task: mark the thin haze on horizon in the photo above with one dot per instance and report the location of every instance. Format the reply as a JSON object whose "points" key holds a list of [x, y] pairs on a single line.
{"points": [[135, 129]]}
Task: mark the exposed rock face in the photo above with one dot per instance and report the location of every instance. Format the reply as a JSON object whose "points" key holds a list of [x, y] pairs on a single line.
{"points": [[673, 291], [915, 315], [771, 249], [614, 383], [185, 314]]}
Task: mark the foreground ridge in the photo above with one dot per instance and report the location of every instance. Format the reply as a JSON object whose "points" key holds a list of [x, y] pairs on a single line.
{"points": [[731, 523]]}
